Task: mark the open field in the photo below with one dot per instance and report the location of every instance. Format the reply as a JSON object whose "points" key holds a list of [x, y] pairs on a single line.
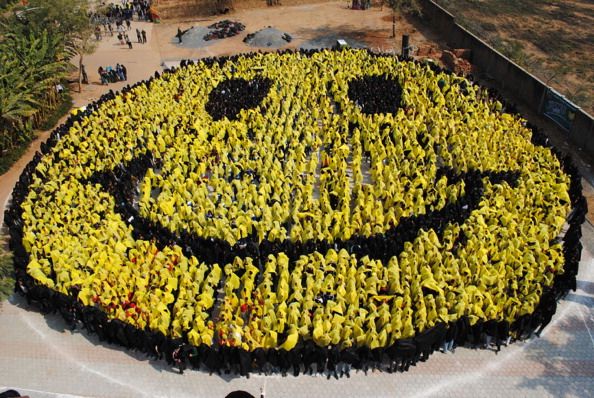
{"points": [[552, 39]]}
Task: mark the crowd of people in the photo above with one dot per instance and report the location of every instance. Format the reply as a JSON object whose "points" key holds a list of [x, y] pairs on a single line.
{"points": [[110, 74], [224, 29], [304, 226], [113, 12], [117, 20]]}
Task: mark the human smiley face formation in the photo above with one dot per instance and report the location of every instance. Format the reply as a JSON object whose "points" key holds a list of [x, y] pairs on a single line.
{"points": [[286, 200]]}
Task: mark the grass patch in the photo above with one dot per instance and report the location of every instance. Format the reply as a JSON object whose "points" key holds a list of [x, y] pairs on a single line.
{"points": [[6, 4], [8, 158], [6, 272], [550, 38], [489, 27], [11, 156], [60, 111]]}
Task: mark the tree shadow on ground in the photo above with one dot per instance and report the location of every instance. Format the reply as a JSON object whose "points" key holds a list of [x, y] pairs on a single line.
{"points": [[55, 322], [326, 36], [586, 286], [566, 352]]}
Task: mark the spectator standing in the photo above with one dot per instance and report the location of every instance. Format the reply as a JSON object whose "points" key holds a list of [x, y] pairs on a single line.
{"points": [[102, 75], [85, 78], [119, 72], [98, 33]]}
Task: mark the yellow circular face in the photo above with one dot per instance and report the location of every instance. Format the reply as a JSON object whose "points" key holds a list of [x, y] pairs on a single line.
{"points": [[335, 198]]}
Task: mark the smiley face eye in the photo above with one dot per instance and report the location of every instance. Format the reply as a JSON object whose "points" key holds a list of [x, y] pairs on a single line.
{"points": [[231, 96], [376, 94]]}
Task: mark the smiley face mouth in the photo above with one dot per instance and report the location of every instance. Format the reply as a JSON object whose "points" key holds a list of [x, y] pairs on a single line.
{"points": [[373, 95], [122, 183]]}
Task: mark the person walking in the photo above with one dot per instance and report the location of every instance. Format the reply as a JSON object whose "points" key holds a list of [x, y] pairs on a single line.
{"points": [[138, 36], [143, 36], [97, 33]]}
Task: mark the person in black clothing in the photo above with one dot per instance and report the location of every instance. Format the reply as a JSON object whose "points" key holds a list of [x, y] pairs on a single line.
{"points": [[245, 363], [85, 78], [294, 357], [10, 394], [333, 355], [429, 340], [403, 354], [214, 361], [180, 355], [448, 344]]}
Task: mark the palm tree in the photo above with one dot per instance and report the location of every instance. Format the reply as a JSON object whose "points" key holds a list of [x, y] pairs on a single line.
{"points": [[17, 105], [30, 67]]}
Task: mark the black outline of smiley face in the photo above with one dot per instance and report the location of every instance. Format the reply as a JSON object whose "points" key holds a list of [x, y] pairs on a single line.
{"points": [[562, 281]]}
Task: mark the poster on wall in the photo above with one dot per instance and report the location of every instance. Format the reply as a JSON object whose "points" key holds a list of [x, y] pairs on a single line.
{"points": [[559, 109]]}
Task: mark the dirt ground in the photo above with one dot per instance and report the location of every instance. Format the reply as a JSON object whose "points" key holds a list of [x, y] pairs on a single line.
{"points": [[306, 22], [552, 39]]}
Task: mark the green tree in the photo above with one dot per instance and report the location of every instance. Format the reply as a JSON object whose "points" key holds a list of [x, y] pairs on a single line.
{"points": [[69, 19], [6, 271], [32, 62]]}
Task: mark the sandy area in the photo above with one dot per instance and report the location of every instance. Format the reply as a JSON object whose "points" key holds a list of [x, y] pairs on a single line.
{"points": [[552, 39]]}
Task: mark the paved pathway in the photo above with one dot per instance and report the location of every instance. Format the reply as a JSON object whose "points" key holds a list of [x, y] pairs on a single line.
{"points": [[40, 358]]}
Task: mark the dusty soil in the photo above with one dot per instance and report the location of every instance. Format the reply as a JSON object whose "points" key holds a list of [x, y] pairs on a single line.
{"points": [[552, 39], [305, 23]]}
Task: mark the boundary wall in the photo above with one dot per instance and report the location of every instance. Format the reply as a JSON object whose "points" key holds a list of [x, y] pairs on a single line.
{"points": [[511, 77], [190, 9], [184, 8]]}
